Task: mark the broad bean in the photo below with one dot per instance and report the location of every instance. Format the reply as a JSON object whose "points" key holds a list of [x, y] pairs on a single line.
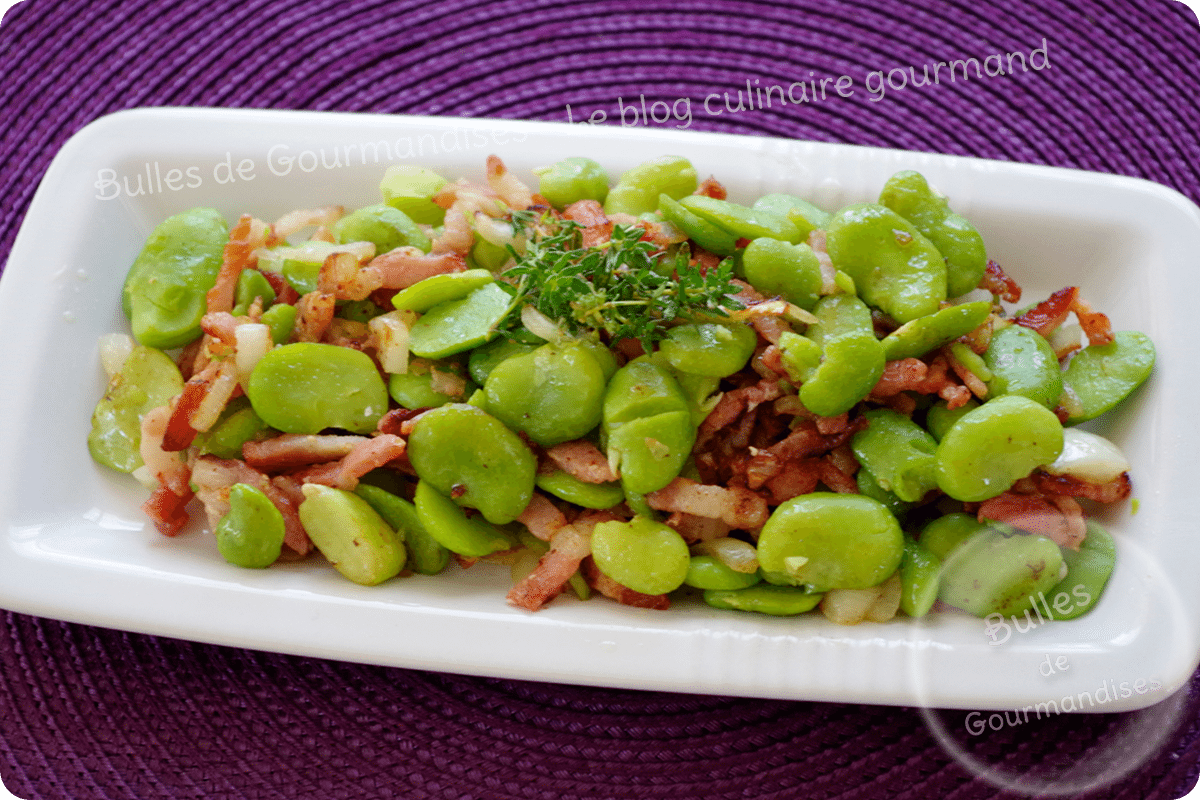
{"points": [[638, 189], [708, 348], [851, 361], [348, 532], [308, 387], [995, 573], [707, 572], [411, 189], [251, 533], [148, 379], [165, 290], [571, 180], [988, 449], [1088, 571], [1101, 376], [831, 541], [237, 425], [469, 455], [437, 289], [740, 221], [460, 325], [910, 195], [917, 337], [554, 394], [1022, 363], [920, 572], [704, 233], [801, 213], [642, 554], [251, 285], [792, 271], [894, 267], [425, 554], [384, 226], [589, 495], [451, 528], [648, 425], [778, 601]]}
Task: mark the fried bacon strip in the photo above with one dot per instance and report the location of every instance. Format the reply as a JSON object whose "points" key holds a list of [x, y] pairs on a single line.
{"points": [[292, 450], [247, 235], [197, 408], [314, 315], [167, 510], [506, 185], [568, 549], [582, 460], [542, 518], [1058, 518], [622, 594], [589, 214], [1113, 491], [1051, 312], [737, 507], [711, 187], [405, 266], [1095, 325], [301, 218], [366, 455], [697, 529], [344, 277], [737, 402], [998, 283], [816, 240]]}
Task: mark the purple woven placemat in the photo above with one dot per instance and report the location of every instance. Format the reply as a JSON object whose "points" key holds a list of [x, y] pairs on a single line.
{"points": [[91, 713]]}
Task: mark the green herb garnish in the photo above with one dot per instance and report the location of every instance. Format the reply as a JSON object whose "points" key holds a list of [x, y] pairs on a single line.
{"points": [[625, 287]]}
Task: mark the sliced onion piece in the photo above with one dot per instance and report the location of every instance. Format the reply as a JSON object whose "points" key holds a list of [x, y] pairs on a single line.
{"points": [[390, 331], [253, 341], [1089, 458], [739, 556]]}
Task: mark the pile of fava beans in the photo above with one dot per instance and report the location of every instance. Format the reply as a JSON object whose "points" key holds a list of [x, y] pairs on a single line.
{"points": [[639, 389]]}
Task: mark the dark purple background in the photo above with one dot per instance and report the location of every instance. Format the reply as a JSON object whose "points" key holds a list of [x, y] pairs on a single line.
{"points": [[92, 713]]}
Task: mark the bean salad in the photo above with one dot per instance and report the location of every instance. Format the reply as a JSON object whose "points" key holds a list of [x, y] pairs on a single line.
{"points": [[635, 388]]}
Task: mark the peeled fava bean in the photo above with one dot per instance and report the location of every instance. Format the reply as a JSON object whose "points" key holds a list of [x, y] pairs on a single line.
{"points": [[777, 601], [1101, 376], [801, 213], [165, 290], [425, 554], [740, 221], [1023, 363], [638, 189], [917, 337], [709, 236], [1088, 571], [996, 573], [709, 349], [251, 533], [148, 379], [898, 453], [470, 456], [424, 295], [383, 226], [460, 325], [571, 180], [647, 424], [894, 267], [307, 387], [553, 394], [851, 360], [920, 572], [988, 449], [707, 572], [831, 541], [411, 189], [910, 195], [642, 554], [450, 527], [349, 533], [791, 271]]}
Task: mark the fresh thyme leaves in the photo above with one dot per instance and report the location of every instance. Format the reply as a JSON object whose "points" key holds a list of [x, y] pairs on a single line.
{"points": [[625, 287]]}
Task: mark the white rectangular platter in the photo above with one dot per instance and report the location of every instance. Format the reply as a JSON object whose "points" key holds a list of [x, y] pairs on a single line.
{"points": [[75, 546]]}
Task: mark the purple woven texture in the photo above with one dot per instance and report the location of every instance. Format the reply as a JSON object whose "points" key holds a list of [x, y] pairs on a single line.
{"points": [[92, 713]]}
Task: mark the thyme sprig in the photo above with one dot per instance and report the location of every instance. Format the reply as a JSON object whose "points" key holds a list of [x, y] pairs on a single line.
{"points": [[625, 287]]}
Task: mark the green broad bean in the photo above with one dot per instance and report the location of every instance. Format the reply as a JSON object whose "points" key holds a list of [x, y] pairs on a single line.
{"points": [[898, 453], [920, 573], [467, 454], [308, 387], [1101, 376], [831, 541], [868, 486], [894, 267], [437, 289], [791, 271], [801, 213], [644, 555], [251, 532], [777, 601], [484, 359], [148, 379], [571, 180], [909, 195], [604, 357], [1023, 363], [699, 390], [554, 394], [917, 337], [460, 325], [359, 311], [237, 425], [411, 189], [638, 189], [995, 573], [740, 221], [251, 285], [589, 495], [851, 357], [281, 319], [414, 389], [942, 535], [708, 348], [164, 295], [991, 447], [485, 255], [704, 233], [707, 572], [384, 226], [302, 274], [425, 554], [647, 425], [1087, 574], [941, 418], [452, 529], [351, 535]]}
